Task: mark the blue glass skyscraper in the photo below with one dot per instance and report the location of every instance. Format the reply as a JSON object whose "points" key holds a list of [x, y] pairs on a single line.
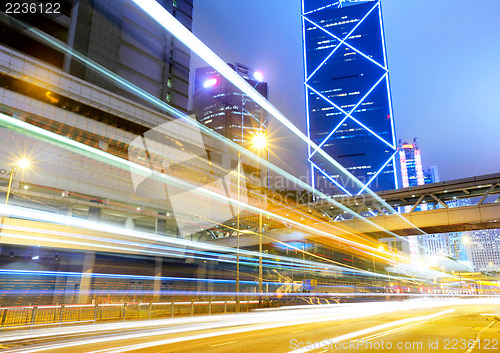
{"points": [[348, 95]]}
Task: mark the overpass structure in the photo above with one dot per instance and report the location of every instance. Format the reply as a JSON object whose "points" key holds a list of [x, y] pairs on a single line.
{"points": [[456, 205], [448, 206]]}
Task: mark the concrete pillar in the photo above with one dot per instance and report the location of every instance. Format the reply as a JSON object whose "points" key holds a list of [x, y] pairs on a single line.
{"points": [[157, 280], [129, 223], [95, 212], [161, 224], [201, 272], [210, 275], [60, 294], [86, 281]]}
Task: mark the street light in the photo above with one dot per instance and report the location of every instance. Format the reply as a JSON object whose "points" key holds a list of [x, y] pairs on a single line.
{"points": [[259, 142], [238, 237], [23, 163]]}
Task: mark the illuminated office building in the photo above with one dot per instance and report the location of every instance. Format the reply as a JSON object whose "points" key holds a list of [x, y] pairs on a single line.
{"points": [[117, 35], [412, 172], [349, 112], [411, 164], [483, 249], [224, 108]]}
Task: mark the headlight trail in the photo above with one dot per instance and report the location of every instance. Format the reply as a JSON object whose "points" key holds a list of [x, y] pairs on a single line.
{"points": [[315, 346], [172, 25], [106, 228], [91, 152], [266, 320], [58, 45]]}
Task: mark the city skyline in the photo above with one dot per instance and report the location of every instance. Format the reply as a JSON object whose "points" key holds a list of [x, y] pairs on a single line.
{"points": [[416, 57], [131, 222]]}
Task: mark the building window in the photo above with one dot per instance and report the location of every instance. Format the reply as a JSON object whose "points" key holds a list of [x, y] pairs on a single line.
{"points": [[169, 97], [169, 83], [175, 3]]}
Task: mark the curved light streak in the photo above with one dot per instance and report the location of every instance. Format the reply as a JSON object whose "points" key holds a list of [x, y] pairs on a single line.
{"points": [[247, 89]]}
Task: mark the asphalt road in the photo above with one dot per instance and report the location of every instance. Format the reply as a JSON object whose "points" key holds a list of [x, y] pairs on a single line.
{"points": [[412, 326]]}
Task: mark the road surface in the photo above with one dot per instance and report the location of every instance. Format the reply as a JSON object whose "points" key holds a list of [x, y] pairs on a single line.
{"points": [[427, 326]]}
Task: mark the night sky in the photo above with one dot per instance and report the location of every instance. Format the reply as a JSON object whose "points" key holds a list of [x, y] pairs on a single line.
{"points": [[444, 62]]}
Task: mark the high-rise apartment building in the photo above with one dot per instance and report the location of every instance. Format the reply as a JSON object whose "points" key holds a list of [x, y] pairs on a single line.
{"points": [[349, 112], [115, 34], [221, 106]]}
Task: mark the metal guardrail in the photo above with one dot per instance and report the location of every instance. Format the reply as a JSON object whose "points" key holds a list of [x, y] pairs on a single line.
{"points": [[46, 315]]}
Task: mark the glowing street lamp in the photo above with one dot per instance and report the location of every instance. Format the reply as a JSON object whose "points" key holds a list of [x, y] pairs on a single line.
{"points": [[259, 141], [23, 163], [258, 76]]}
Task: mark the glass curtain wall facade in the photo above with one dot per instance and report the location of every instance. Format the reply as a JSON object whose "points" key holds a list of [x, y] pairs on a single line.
{"points": [[349, 112]]}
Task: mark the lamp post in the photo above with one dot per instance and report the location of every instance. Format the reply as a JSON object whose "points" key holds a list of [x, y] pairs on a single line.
{"points": [[260, 142], [238, 238], [22, 163]]}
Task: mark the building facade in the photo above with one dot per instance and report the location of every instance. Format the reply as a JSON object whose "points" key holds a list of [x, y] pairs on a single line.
{"points": [[431, 175], [349, 111], [47, 105], [483, 249], [410, 160], [219, 105], [412, 172], [115, 34]]}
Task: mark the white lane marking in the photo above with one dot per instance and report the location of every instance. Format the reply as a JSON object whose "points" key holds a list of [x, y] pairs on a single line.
{"points": [[385, 333], [370, 330], [222, 344], [478, 337]]}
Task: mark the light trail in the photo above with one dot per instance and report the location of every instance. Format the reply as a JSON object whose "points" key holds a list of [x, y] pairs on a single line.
{"points": [[264, 320], [317, 345], [93, 153], [141, 236], [184, 35], [150, 248], [58, 45], [106, 228], [171, 24]]}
